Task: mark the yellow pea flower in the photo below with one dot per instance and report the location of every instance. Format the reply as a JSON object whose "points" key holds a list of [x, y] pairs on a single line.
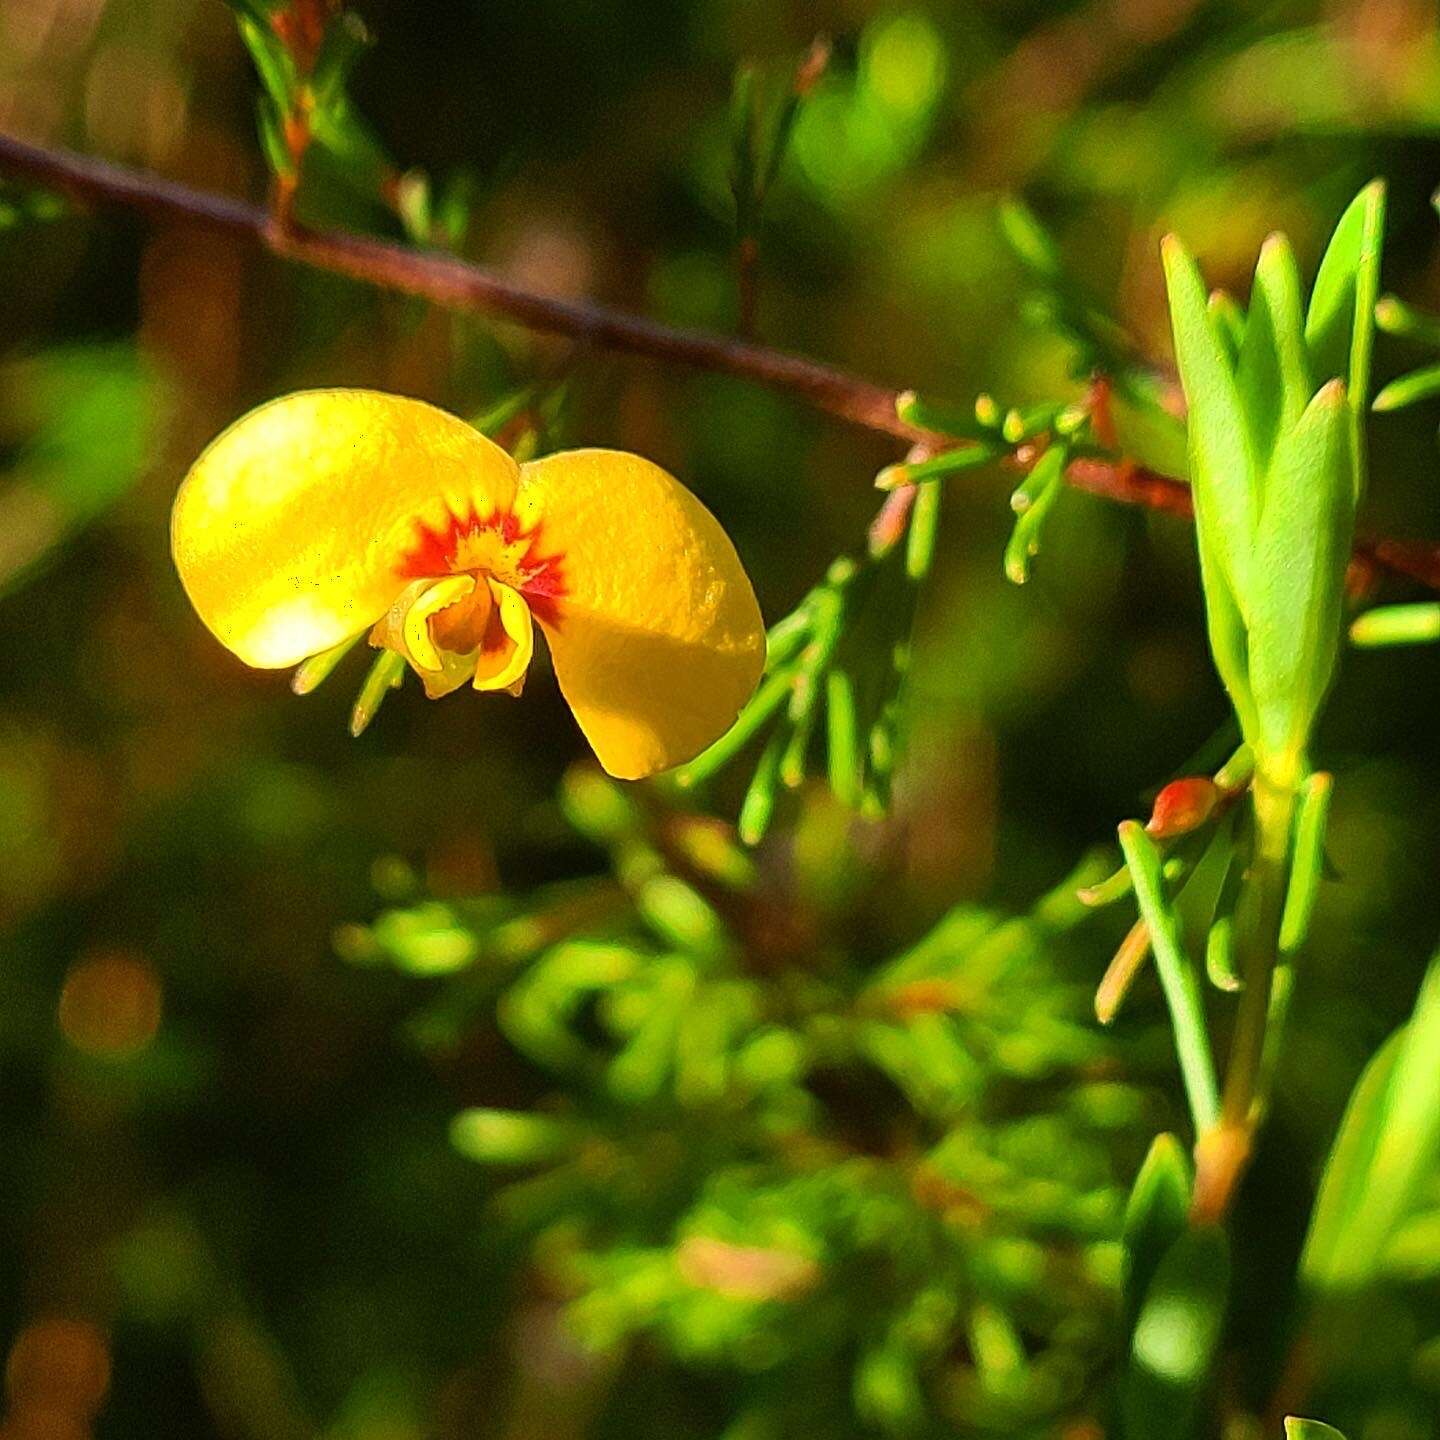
{"points": [[329, 512]]}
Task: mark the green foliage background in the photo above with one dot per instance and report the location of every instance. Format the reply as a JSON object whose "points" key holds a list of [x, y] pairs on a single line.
{"points": [[817, 1140]]}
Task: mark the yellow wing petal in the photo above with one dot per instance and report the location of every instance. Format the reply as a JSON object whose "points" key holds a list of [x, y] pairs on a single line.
{"points": [[655, 632], [292, 531]]}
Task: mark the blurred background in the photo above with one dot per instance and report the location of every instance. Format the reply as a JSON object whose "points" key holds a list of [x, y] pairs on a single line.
{"points": [[310, 1117]]}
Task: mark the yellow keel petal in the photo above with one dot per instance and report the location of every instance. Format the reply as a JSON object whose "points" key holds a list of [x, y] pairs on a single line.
{"points": [[416, 624], [504, 668]]}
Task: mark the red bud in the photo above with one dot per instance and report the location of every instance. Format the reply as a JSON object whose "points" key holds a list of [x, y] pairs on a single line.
{"points": [[1183, 806]]}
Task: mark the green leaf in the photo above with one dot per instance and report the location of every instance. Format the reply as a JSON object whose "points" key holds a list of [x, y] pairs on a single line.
{"points": [[1175, 1338], [273, 61], [1340, 326], [1200, 896], [795, 757], [1220, 966], [924, 414], [1228, 318], [1019, 425], [271, 129], [924, 527], [1340, 329], [360, 158], [1177, 975], [1030, 242], [1107, 890], [1222, 470], [887, 1388], [1395, 317], [777, 143], [1409, 389], [600, 809], [414, 205], [758, 807], [807, 75], [1045, 483], [535, 1013], [1030, 489], [1413, 1254], [680, 916], [742, 145], [1301, 551], [1151, 435], [385, 675], [1225, 629], [511, 1137], [1387, 1147], [89, 419], [1298, 1429], [1307, 861], [1273, 371], [1417, 624], [639, 1072], [1325, 1262], [1155, 1217], [965, 457], [256, 10], [842, 739], [312, 672]]}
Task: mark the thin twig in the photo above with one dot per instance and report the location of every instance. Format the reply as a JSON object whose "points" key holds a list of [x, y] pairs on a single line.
{"points": [[747, 280], [457, 285], [1131, 485]]}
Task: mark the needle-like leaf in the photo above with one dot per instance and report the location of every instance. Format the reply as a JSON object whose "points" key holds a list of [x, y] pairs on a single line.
{"points": [[1301, 551], [1223, 473], [1273, 374]]}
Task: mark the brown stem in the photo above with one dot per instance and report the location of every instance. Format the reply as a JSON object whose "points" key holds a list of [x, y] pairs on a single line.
{"points": [[1130, 484], [747, 262], [457, 285]]}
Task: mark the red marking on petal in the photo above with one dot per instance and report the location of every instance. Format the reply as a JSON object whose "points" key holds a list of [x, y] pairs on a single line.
{"points": [[544, 590], [452, 549], [429, 555]]}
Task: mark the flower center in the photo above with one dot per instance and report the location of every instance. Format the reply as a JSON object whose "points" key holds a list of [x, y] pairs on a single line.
{"points": [[498, 545], [460, 628], [463, 626]]}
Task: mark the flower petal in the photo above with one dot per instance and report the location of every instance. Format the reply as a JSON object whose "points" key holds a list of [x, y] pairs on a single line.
{"points": [[655, 632], [291, 531], [415, 627], [509, 643]]}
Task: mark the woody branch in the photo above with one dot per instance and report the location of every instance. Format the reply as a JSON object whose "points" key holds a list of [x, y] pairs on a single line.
{"points": [[473, 289]]}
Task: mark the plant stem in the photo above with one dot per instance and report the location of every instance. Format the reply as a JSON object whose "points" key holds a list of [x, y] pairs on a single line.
{"points": [[471, 289], [1224, 1151], [457, 285]]}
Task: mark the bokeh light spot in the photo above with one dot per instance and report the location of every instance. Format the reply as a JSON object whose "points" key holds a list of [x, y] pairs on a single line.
{"points": [[56, 1378], [110, 1005]]}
